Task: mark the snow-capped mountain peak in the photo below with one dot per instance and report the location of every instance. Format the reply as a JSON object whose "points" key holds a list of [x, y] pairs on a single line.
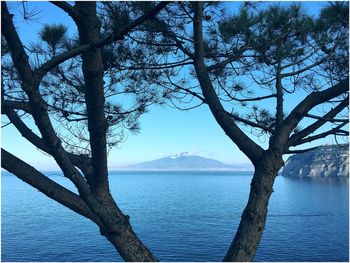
{"points": [[183, 154]]}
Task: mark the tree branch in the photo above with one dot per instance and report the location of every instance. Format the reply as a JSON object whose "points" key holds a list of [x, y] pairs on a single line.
{"points": [[70, 10], [174, 37], [299, 151], [279, 96], [325, 118], [255, 98], [300, 60], [38, 106], [194, 94], [18, 105], [317, 124], [293, 73], [299, 112], [245, 99], [49, 65], [45, 185], [251, 123], [162, 66], [92, 67], [337, 130], [229, 60], [19, 56], [244, 143], [83, 162]]}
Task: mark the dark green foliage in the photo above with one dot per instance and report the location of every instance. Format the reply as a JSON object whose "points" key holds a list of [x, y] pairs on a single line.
{"points": [[143, 6], [336, 14], [332, 36], [4, 47], [238, 25], [128, 93], [53, 35]]}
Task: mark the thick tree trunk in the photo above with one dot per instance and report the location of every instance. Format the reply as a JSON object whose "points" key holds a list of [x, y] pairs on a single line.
{"points": [[92, 67], [251, 227], [117, 229], [128, 245]]}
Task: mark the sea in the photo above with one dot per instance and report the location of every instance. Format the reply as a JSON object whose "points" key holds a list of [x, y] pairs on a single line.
{"points": [[180, 216]]}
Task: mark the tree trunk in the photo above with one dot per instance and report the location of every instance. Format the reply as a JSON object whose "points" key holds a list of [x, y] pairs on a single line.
{"points": [[117, 229], [245, 243], [130, 248]]}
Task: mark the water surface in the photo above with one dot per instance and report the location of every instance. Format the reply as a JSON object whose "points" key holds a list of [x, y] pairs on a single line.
{"points": [[181, 216]]}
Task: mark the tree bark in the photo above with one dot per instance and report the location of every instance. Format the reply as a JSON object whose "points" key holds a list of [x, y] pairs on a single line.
{"points": [[89, 33], [129, 246], [245, 243], [116, 228], [279, 97]]}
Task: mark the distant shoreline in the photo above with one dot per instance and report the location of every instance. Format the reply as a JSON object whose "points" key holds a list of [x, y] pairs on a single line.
{"points": [[177, 170], [155, 171]]}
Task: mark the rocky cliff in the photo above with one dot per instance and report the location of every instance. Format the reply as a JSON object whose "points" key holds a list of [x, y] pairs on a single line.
{"points": [[325, 161]]}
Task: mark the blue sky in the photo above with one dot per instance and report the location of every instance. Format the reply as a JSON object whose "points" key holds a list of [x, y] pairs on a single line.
{"points": [[164, 130]]}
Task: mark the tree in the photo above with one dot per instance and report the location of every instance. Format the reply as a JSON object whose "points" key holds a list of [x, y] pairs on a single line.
{"points": [[192, 51], [64, 79], [277, 53], [266, 162]]}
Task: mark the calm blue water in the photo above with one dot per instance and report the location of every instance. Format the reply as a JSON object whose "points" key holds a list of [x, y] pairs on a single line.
{"points": [[188, 216]]}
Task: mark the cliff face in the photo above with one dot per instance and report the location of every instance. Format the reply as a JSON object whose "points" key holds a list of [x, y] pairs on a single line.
{"points": [[324, 161]]}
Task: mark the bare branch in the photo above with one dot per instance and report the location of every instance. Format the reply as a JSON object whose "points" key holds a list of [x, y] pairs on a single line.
{"points": [[255, 98], [251, 123], [67, 8], [325, 118], [294, 73], [179, 43], [20, 57], [18, 105], [299, 112], [83, 162], [337, 130], [50, 188], [329, 117], [195, 94], [299, 151]]}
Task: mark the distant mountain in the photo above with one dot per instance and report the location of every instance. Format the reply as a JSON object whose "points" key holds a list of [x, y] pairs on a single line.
{"points": [[186, 162], [324, 161]]}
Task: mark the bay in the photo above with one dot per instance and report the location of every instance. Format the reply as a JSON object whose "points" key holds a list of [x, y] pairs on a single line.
{"points": [[181, 216]]}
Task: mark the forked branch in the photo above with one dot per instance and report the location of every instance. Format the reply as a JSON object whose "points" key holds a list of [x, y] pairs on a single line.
{"points": [[300, 111], [329, 117]]}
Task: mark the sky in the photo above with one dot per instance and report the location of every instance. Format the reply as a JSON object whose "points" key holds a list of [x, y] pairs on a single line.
{"points": [[164, 130]]}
